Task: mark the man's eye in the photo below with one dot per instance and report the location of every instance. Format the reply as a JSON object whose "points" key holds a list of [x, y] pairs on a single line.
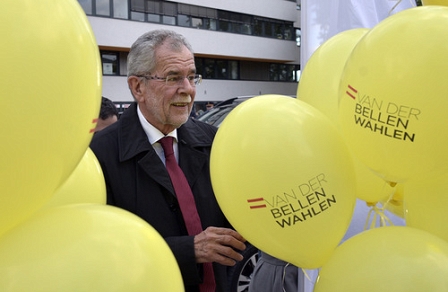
{"points": [[190, 78], [172, 78]]}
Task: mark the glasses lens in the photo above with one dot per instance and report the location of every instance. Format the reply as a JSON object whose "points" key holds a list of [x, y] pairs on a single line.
{"points": [[174, 80], [197, 79]]}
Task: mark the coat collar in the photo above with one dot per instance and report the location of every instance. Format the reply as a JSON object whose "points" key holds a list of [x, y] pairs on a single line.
{"points": [[133, 141]]}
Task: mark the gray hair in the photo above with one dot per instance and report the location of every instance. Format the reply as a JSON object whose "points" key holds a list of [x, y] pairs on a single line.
{"points": [[141, 58]]}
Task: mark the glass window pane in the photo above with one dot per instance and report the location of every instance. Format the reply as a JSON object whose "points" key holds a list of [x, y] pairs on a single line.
{"points": [[246, 29], [224, 25], [103, 7], [233, 65], [288, 33], [184, 9], [183, 20], [278, 30], [110, 63], [273, 72], [137, 16], [298, 36], [153, 7], [153, 17], [120, 9], [198, 64], [221, 69], [268, 29], [196, 22], [258, 27], [209, 69], [212, 13], [210, 24], [246, 18], [86, 6], [199, 11], [138, 5], [169, 20], [169, 8]]}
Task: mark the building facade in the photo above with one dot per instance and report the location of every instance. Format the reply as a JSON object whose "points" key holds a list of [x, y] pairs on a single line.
{"points": [[246, 47]]}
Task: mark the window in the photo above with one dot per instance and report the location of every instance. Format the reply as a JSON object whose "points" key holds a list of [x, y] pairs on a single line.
{"points": [[153, 7], [109, 61], [173, 13], [171, 20], [138, 5], [221, 69], [196, 22], [183, 20], [209, 69], [284, 72], [273, 72], [210, 24], [233, 70], [86, 6], [139, 16], [102, 7], [169, 8], [120, 9], [153, 17], [298, 36]]}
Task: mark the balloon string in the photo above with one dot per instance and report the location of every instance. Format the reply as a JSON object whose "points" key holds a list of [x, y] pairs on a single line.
{"points": [[393, 7], [413, 4], [376, 211], [308, 276]]}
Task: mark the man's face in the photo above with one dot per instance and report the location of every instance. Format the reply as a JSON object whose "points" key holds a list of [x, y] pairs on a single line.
{"points": [[167, 106]]}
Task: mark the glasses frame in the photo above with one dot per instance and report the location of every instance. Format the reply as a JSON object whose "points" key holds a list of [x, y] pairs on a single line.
{"points": [[196, 80]]}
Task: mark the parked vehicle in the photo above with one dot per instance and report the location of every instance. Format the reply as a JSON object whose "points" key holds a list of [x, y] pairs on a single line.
{"points": [[216, 115], [241, 273]]}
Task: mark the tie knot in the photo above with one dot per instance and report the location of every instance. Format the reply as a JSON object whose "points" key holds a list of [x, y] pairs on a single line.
{"points": [[167, 145]]}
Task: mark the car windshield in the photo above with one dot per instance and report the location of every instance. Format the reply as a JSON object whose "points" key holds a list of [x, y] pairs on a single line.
{"points": [[205, 115]]}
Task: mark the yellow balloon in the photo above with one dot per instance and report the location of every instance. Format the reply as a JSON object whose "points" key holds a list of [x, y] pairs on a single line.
{"points": [[435, 2], [319, 87], [319, 82], [50, 88], [284, 178], [387, 259], [425, 203], [85, 184], [392, 100], [86, 247]]}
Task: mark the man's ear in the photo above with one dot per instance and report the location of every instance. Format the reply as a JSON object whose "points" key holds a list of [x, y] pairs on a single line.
{"points": [[136, 86]]}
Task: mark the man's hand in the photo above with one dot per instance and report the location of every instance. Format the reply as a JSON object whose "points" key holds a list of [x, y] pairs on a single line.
{"points": [[219, 245]]}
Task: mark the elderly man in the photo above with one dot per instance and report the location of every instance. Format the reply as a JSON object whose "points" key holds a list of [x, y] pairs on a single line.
{"points": [[155, 135]]}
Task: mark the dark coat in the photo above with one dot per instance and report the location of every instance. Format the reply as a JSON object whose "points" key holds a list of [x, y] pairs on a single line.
{"points": [[137, 181]]}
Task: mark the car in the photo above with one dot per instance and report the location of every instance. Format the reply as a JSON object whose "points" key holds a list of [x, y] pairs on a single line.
{"points": [[216, 115], [241, 273]]}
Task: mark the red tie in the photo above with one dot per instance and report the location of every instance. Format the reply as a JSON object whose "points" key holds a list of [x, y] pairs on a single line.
{"points": [[187, 205]]}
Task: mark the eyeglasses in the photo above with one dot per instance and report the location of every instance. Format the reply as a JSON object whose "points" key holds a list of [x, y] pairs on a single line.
{"points": [[175, 80]]}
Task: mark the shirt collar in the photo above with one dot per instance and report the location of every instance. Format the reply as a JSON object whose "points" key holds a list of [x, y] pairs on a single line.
{"points": [[152, 132]]}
